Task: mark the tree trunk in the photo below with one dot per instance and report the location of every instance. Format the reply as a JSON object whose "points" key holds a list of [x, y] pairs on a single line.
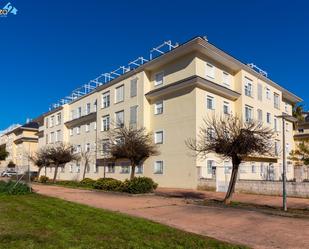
{"points": [[39, 171], [85, 168], [56, 172], [233, 179], [132, 171]]}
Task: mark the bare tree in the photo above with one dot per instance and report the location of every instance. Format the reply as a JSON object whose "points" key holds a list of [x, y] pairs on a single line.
{"points": [[85, 156], [134, 144], [59, 154], [40, 159], [233, 139]]}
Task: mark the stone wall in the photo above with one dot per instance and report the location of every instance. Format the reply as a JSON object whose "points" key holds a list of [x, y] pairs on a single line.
{"points": [[294, 189]]}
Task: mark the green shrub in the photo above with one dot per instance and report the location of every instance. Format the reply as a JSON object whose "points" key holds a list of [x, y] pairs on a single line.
{"points": [[87, 182], [43, 179], [68, 183], [108, 184], [139, 185], [14, 189]]}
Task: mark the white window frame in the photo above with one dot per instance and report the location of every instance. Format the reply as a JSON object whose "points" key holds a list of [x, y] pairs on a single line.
{"points": [[276, 100], [268, 118], [227, 105], [247, 107], [160, 81], [77, 130], [158, 110], [209, 97], [119, 97], [161, 169], [210, 70], [226, 78], [133, 87], [268, 93], [105, 125], [106, 99], [260, 115], [248, 87], [159, 133], [116, 119]]}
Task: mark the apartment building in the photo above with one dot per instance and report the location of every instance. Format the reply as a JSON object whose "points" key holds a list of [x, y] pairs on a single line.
{"points": [[20, 142], [170, 96]]}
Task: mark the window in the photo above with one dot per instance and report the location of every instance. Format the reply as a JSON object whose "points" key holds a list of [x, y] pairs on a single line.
{"points": [[77, 167], [210, 103], [57, 139], [52, 121], [52, 135], [288, 149], [119, 94], [78, 148], [227, 167], [286, 107], [125, 168], [253, 168], [95, 104], [139, 169], [119, 118], [79, 112], [71, 168], [210, 70], [87, 147], [301, 130], [268, 118], [158, 107], [260, 115], [78, 130], [276, 100], [72, 115], [87, 127], [226, 107], [248, 113], [267, 93], [105, 145], [71, 132], [276, 148], [133, 115], [105, 123], [158, 167], [287, 129], [260, 91], [58, 119], [95, 126], [133, 88], [88, 106], [159, 137], [210, 164], [105, 99], [276, 124], [226, 78], [46, 122], [110, 168], [159, 77], [248, 87], [210, 133]]}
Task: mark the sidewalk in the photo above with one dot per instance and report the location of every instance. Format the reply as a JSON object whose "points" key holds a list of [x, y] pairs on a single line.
{"points": [[250, 228], [265, 200]]}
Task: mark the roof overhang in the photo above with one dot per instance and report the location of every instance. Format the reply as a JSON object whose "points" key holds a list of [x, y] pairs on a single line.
{"points": [[265, 159], [191, 83], [82, 120]]}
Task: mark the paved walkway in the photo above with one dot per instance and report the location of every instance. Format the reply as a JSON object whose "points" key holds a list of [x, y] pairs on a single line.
{"points": [[250, 228], [274, 201]]}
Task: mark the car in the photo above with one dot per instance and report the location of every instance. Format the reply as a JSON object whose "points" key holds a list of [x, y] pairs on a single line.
{"points": [[8, 173]]}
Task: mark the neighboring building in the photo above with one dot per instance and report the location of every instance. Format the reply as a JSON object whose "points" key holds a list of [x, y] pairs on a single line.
{"points": [[20, 142], [302, 134], [170, 95]]}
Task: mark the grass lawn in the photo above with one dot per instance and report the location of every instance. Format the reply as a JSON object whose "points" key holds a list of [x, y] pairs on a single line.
{"points": [[34, 221]]}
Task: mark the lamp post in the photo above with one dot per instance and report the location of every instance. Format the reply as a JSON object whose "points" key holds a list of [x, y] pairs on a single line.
{"points": [[284, 117]]}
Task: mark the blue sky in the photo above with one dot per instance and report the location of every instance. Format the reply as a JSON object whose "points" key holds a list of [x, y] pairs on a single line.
{"points": [[51, 47]]}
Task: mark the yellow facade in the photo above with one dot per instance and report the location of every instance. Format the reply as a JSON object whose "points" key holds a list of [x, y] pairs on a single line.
{"points": [[179, 82]]}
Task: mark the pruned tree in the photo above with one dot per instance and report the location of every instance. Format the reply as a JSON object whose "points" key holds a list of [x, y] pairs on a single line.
{"points": [[301, 155], [40, 159], [134, 144], [85, 155], [233, 139], [3, 153], [59, 154]]}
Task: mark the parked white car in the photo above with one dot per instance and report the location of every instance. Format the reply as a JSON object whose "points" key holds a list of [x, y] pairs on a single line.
{"points": [[8, 173]]}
